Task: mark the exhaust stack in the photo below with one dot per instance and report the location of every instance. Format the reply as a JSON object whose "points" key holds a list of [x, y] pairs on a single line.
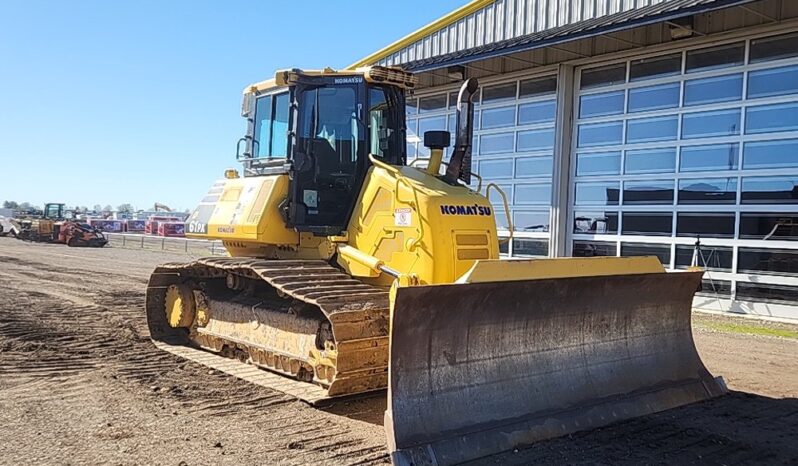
{"points": [[460, 163]]}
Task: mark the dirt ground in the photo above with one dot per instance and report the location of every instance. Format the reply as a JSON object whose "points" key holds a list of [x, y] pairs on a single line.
{"points": [[80, 383]]}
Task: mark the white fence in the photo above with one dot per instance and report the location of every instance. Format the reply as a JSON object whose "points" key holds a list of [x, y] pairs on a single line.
{"points": [[195, 247]]}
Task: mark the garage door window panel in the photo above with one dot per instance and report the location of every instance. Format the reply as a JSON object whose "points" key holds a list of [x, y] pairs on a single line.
{"points": [[532, 166], [769, 226], [773, 82], [713, 90], [647, 192], [536, 140], [596, 105], [771, 118], [496, 143], [600, 163], [771, 154], [711, 124], [499, 93], [530, 247], [594, 249], [496, 169], [537, 194], [710, 157], [652, 129], [705, 224], [650, 161], [655, 67], [774, 48], [767, 292], [603, 76], [537, 87], [595, 223], [713, 58], [770, 190], [600, 134], [534, 113], [647, 223], [597, 193], [498, 117], [531, 221], [768, 261], [646, 99], [715, 258], [708, 191], [661, 251]]}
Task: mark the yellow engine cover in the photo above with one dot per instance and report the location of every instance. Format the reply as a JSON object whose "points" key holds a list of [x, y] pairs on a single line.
{"points": [[244, 213], [417, 224]]}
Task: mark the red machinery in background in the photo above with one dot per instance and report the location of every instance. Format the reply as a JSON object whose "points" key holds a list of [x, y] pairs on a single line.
{"points": [[135, 226], [106, 225], [73, 233], [172, 229], [152, 227]]}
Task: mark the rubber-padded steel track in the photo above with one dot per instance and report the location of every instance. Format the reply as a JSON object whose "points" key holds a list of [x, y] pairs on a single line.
{"points": [[357, 312]]}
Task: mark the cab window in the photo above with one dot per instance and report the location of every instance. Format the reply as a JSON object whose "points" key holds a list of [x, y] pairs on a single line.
{"points": [[385, 126], [270, 138]]}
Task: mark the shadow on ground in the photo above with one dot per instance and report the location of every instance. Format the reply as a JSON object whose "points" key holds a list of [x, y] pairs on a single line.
{"points": [[739, 428]]}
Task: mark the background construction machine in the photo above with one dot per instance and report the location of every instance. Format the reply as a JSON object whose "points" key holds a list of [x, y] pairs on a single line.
{"points": [[53, 227], [8, 226], [352, 272]]}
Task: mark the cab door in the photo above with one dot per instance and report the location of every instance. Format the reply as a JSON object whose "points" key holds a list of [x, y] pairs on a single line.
{"points": [[329, 157]]}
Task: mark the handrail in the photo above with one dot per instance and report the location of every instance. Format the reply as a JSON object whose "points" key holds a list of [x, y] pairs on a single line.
{"points": [[479, 181], [382, 164], [276, 161], [506, 209], [445, 164]]}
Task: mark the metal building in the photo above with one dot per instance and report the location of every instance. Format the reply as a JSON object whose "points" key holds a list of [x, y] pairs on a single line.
{"points": [[630, 127]]}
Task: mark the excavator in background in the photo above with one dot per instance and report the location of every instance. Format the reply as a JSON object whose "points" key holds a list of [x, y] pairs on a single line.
{"points": [[161, 207], [350, 271], [53, 227]]}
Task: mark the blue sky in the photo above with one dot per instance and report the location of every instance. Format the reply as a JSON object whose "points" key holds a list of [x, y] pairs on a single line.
{"points": [[106, 102]]}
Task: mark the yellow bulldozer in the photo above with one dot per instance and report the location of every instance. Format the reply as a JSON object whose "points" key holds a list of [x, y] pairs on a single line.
{"points": [[351, 272]]}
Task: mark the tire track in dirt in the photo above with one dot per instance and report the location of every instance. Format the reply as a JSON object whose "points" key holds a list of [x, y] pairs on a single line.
{"points": [[60, 329], [67, 336], [79, 341]]}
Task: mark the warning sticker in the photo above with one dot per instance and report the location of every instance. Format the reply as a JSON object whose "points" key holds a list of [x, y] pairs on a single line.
{"points": [[402, 217], [310, 198]]}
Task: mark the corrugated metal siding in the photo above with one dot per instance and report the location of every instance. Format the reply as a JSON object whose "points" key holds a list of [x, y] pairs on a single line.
{"points": [[508, 19], [611, 23]]}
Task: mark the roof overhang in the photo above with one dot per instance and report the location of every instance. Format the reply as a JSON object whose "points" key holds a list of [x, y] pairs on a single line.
{"points": [[439, 23], [652, 14]]}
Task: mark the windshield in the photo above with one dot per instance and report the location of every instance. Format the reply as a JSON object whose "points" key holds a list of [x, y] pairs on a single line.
{"points": [[270, 138], [329, 127]]}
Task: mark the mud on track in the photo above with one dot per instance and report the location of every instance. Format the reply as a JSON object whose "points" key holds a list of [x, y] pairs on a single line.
{"points": [[80, 383]]}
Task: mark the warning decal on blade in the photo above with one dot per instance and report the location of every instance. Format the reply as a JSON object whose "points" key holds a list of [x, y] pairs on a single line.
{"points": [[402, 217]]}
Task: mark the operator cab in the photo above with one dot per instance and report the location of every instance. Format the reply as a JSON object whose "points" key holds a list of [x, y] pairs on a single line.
{"points": [[53, 211], [321, 130]]}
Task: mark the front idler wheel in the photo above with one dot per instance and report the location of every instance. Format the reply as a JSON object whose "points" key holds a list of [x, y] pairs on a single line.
{"points": [[180, 306]]}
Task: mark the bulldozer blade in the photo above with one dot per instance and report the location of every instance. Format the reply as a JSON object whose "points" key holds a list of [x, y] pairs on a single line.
{"points": [[481, 368]]}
